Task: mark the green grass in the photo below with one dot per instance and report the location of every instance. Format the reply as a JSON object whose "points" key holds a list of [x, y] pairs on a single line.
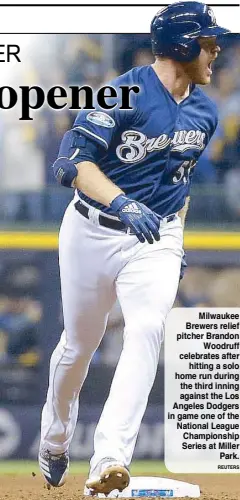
{"points": [[27, 467]]}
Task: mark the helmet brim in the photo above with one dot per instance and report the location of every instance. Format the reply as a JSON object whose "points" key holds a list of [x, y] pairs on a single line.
{"points": [[214, 31]]}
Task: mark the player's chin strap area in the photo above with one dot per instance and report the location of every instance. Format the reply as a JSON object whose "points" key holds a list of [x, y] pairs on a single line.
{"points": [[107, 221]]}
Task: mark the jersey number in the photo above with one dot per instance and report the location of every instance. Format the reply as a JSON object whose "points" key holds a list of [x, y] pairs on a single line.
{"points": [[183, 172]]}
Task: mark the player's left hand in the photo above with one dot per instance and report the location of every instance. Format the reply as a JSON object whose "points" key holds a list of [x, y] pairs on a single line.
{"points": [[183, 267], [140, 219]]}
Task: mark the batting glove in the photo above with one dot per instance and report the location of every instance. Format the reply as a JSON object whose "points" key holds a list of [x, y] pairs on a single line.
{"points": [[141, 220], [183, 267]]}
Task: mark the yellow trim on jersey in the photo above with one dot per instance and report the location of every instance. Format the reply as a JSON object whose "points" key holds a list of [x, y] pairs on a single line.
{"points": [[193, 240]]}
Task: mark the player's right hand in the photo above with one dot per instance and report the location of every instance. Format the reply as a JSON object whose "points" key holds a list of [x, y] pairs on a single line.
{"points": [[140, 219]]}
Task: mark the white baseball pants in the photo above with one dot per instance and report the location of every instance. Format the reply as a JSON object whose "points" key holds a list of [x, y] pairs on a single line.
{"points": [[97, 265]]}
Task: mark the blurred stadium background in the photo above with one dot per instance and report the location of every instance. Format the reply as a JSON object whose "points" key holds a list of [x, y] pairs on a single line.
{"points": [[31, 208]]}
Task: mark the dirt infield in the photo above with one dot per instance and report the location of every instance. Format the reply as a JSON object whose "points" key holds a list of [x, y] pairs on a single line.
{"points": [[14, 487]]}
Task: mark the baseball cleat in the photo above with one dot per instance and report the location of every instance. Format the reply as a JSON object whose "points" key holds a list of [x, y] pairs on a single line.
{"points": [[54, 467], [107, 476]]}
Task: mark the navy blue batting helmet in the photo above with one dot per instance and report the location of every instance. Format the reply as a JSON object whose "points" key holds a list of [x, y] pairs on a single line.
{"points": [[176, 28]]}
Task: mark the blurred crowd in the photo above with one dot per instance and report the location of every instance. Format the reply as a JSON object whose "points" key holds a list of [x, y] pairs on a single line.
{"points": [[28, 189], [20, 313]]}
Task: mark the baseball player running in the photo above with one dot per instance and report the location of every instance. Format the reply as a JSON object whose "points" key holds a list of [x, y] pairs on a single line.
{"points": [[122, 237]]}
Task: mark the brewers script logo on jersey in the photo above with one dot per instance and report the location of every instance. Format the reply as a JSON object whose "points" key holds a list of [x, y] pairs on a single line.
{"points": [[135, 145]]}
